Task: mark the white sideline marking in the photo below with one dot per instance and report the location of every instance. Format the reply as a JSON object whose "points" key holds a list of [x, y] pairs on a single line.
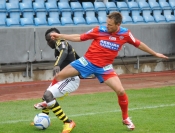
{"points": [[95, 113]]}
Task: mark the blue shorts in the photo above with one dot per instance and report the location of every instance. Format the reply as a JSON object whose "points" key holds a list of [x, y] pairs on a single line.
{"points": [[86, 68]]}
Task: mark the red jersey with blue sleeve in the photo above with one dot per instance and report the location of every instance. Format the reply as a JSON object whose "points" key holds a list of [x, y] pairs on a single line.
{"points": [[105, 46]]}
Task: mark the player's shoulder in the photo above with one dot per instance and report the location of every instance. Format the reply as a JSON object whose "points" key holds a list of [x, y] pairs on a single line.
{"points": [[102, 28], [123, 30]]}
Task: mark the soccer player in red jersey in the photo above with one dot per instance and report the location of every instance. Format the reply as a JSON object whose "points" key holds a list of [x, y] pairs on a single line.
{"points": [[107, 41]]}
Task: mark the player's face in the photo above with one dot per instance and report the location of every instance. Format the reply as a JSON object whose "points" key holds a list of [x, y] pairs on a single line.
{"points": [[111, 26]]}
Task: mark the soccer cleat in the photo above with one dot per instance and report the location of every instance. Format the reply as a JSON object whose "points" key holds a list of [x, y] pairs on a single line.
{"points": [[41, 105], [129, 123], [67, 127]]}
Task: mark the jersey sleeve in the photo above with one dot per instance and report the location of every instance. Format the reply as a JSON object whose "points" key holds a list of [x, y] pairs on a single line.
{"points": [[91, 34], [132, 40]]}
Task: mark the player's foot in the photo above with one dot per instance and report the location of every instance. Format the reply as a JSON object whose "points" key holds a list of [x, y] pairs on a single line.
{"points": [[129, 123], [41, 105], [67, 128]]}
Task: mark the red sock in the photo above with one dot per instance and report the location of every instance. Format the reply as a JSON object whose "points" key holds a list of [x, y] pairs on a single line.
{"points": [[123, 102], [54, 81]]}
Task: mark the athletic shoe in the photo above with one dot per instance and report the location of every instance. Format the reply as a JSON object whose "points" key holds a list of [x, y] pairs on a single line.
{"points": [[129, 123], [41, 105], [67, 127]]}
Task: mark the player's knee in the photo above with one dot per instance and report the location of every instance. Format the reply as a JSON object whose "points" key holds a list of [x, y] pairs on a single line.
{"points": [[48, 96]]}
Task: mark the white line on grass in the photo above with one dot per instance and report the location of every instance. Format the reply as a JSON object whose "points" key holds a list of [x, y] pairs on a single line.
{"points": [[96, 113]]}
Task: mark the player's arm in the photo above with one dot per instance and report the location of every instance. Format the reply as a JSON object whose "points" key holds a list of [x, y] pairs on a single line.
{"points": [[145, 48], [71, 37]]}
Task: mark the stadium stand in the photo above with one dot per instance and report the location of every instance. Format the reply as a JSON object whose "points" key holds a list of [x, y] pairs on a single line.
{"points": [[137, 18], [88, 6], [53, 18], [172, 4], [76, 6], [99, 6], [122, 6], [12, 5], [66, 21], [143, 5], [164, 5], [51, 5], [26, 5], [3, 5], [79, 20], [92, 20], [111, 6], [148, 17], [39, 5], [133, 6], [159, 18], [154, 5], [168, 16]]}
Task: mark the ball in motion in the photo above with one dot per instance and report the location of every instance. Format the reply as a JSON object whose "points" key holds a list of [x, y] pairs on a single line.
{"points": [[41, 121]]}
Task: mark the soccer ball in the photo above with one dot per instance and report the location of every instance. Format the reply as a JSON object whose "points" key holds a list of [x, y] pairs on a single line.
{"points": [[41, 121]]}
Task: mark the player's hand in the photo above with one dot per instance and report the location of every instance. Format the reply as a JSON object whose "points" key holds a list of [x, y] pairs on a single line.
{"points": [[56, 70], [54, 36], [161, 56]]}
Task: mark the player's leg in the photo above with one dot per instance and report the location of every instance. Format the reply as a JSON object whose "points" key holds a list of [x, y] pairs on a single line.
{"points": [[115, 83]]}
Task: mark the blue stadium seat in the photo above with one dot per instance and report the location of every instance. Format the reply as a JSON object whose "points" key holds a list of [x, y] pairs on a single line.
{"points": [[172, 4], [136, 17], [111, 6], [3, 18], [64, 7], [14, 15], [88, 6], [99, 6], [125, 13], [102, 13], [133, 5], [168, 16], [76, 6], [54, 21], [28, 15], [12, 5], [158, 17], [51, 5], [154, 5], [66, 21], [26, 5], [102, 20], [66, 14], [40, 22], [2, 22], [3, 5], [39, 5], [143, 5], [12, 22], [26, 22], [41, 15], [79, 21], [164, 5], [127, 20], [122, 6], [92, 20], [54, 14], [148, 17], [78, 14], [90, 13]]}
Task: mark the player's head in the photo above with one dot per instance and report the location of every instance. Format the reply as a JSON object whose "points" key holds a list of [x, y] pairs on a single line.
{"points": [[51, 42], [114, 20]]}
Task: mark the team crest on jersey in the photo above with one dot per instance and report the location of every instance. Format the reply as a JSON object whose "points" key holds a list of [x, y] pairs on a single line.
{"points": [[109, 45], [112, 38], [121, 37]]}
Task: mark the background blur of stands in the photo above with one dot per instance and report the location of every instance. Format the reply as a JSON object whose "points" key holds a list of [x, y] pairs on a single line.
{"points": [[24, 22]]}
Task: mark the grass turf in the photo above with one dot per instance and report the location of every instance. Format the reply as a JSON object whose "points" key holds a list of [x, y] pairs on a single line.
{"points": [[152, 111]]}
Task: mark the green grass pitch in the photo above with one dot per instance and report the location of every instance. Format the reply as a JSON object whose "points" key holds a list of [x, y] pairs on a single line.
{"points": [[152, 111]]}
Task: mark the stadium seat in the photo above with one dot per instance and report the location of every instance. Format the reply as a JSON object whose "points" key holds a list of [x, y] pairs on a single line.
{"points": [[158, 17], [102, 20], [111, 6], [143, 5], [136, 17], [26, 22], [53, 14], [39, 5], [148, 17], [51, 5], [88, 6], [3, 5], [14, 15], [99, 6], [26, 5], [66, 14], [154, 5], [12, 22], [90, 13], [133, 5], [28, 15], [65, 21], [12, 5], [127, 20], [164, 5], [64, 7], [40, 22], [122, 6], [3, 18], [41, 15], [78, 14], [2, 22], [92, 20], [125, 13], [172, 4], [79, 21], [76, 6], [168, 16], [54, 21]]}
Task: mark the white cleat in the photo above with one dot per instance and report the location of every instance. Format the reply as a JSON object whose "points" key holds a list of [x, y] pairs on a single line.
{"points": [[129, 124]]}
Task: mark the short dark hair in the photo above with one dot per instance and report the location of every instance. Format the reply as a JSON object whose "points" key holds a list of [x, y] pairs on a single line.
{"points": [[116, 16], [51, 30]]}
